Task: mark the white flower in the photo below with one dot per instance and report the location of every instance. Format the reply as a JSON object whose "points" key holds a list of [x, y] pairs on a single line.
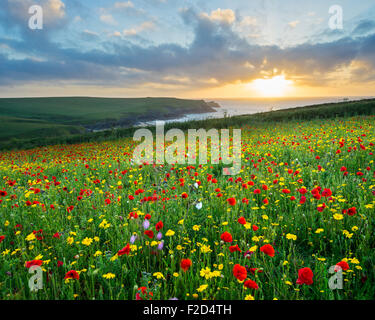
{"points": [[199, 205], [196, 185]]}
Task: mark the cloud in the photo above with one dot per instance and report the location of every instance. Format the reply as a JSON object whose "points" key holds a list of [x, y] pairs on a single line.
{"points": [[108, 19], [217, 55], [123, 5], [221, 15], [293, 24], [89, 35], [364, 27], [147, 25]]}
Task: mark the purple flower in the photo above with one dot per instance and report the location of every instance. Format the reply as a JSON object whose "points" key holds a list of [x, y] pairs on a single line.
{"points": [[133, 238], [159, 236], [146, 224], [161, 245]]}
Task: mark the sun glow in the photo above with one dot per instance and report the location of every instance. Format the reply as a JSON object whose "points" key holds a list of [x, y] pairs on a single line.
{"points": [[276, 86]]}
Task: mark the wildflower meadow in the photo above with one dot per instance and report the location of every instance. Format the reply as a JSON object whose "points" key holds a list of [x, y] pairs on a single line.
{"points": [[296, 223]]}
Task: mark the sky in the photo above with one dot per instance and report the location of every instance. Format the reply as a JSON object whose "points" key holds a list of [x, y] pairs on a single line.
{"points": [[188, 49]]}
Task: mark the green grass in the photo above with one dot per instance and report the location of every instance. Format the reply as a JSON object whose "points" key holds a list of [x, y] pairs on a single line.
{"points": [[38, 118], [323, 111]]}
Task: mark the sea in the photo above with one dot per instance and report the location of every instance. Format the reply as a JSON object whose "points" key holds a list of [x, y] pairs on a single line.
{"points": [[236, 107]]}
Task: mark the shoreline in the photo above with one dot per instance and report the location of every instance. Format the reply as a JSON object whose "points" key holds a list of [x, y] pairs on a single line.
{"points": [[217, 108]]}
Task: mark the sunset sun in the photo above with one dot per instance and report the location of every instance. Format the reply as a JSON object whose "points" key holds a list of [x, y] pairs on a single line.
{"points": [[276, 86]]}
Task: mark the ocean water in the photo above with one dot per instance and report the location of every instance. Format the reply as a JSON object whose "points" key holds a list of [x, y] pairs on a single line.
{"points": [[236, 107]]}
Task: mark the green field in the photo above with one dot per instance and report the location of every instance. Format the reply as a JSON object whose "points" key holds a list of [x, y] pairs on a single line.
{"points": [[27, 132], [27, 118], [103, 228]]}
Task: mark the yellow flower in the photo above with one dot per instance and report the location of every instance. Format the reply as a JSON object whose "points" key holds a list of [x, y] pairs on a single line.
{"points": [[338, 216], [206, 273], [30, 237], [98, 253], [104, 224], [87, 241], [109, 275], [115, 257], [202, 287], [175, 274], [291, 236], [247, 225], [205, 249], [347, 233], [70, 240], [170, 233], [196, 228], [158, 275], [249, 297], [354, 260], [319, 230]]}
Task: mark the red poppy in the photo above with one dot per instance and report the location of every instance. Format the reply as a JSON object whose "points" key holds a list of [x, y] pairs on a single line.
{"points": [[2, 238], [231, 201], [241, 220], [268, 250], [234, 248], [239, 272], [226, 237], [3, 193], [125, 250], [159, 226], [352, 211], [31, 263], [343, 264], [184, 195], [250, 284], [149, 233], [185, 264], [327, 193], [305, 276], [72, 274]]}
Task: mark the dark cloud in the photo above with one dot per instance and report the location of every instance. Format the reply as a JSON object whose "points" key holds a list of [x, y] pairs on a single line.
{"points": [[364, 27]]}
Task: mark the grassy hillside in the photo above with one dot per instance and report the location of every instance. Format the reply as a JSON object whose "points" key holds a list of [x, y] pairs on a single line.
{"points": [[45, 117], [331, 110], [103, 227]]}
